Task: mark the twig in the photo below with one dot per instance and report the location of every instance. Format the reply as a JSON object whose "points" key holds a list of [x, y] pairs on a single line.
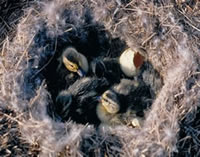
{"points": [[149, 38], [3, 48], [190, 22], [12, 118], [5, 22], [121, 21], [38, 94], [25, 51]]}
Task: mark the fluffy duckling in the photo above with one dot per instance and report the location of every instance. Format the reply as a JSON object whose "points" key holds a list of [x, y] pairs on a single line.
{"points": [[74, 61], [124, 102], [128, 63], [115, 101], [80, 100], [108, 108], [109, 114]]}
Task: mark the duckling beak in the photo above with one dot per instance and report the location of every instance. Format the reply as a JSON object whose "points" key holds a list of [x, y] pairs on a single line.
{"points": [[80, 72]]}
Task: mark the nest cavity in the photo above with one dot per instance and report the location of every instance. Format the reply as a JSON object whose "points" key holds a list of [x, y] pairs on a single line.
{"points": [[30, 80]]}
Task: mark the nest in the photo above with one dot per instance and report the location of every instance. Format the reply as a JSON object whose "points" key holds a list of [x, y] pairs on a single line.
{"points": [[168, 31]]}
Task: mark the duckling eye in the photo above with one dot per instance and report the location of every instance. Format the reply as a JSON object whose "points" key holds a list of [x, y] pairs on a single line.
{"points": [[105, 100], [71, 66], [74, 66]]}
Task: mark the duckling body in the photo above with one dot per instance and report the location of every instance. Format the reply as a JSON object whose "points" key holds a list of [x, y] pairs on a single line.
{"points": [[108, 68], [129, 118], [80, 100], [140, 99]]}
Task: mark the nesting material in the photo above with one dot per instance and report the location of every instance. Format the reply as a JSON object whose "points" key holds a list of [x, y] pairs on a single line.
{"points": [[170, 39]]}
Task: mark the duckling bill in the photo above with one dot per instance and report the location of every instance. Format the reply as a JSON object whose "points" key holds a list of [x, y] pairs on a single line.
{"points": [[75, 61]]}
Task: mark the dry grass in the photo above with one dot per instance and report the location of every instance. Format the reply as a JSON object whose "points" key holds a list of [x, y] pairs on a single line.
{"points": [[169, 31], [12, 143], [10, 14]]}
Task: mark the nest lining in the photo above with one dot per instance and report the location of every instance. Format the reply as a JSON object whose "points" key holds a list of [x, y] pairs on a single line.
{"points": [[168, 48]]}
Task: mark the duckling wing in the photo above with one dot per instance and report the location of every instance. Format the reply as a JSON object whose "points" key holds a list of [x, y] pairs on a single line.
{"points": [[88, 101], [86, 107], [87, 84]]}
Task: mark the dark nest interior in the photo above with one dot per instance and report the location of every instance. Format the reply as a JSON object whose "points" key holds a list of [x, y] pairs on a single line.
{"points": [[93, 41], [32, 77]]}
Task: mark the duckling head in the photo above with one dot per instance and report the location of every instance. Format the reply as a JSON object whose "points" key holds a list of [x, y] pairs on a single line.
{"points": [[130, 61], [108, 107], [75, 61], [110, 102]]}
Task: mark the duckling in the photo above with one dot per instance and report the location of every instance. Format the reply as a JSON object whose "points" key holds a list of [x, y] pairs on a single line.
{"points": [[80, 100], [74, 61], [113, 102], [123, 102], [63, 103], [109, 114], [108, 107], [128, 63]]}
